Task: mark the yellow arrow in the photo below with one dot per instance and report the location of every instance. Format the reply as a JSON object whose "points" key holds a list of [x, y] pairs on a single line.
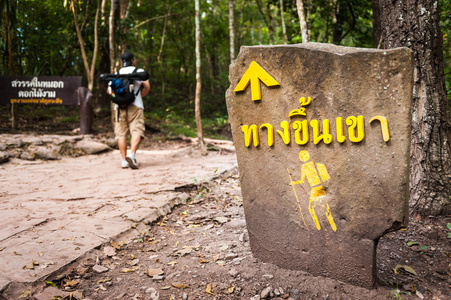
{"points": [[254, 74]]}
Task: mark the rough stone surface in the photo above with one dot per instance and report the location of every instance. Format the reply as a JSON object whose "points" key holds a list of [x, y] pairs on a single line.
{"points": [[364, 187], [4, 157], [266, 292], [45, 153], [99, 269], [92, 147], [50, 147]]}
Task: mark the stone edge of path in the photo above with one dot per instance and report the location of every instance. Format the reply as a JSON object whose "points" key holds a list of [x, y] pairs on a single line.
{"points": [[151, 218]]}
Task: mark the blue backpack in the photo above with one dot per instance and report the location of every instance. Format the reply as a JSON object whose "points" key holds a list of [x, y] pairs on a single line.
{"points": [[122, 90]]}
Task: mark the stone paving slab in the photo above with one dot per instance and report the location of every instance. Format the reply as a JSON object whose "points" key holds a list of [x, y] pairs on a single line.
{"points": [[53, 212]]}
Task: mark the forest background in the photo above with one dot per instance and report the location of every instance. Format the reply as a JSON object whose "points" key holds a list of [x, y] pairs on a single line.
{"points": [[86, 38], [161, 34]]}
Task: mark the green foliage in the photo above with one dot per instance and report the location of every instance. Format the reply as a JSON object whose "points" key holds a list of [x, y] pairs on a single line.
{"points": [[161, 35], [351, 27]]}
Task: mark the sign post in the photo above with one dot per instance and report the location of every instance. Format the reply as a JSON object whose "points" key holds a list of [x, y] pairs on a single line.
{"points": [[322, 136], [39, 90]]}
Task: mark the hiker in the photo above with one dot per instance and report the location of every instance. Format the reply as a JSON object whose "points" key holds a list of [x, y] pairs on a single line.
{"points": [[129, 119]]}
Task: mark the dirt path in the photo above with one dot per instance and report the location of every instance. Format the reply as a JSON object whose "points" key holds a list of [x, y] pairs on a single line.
{"points": [[200, 250], [93, 233], [53, 212]]}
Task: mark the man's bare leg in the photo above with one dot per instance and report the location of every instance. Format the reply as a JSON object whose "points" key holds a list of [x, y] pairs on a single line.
{"points": [[122, 144], [134, 143]]}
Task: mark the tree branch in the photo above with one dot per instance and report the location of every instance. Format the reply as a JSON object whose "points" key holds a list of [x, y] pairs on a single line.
{"points": [[96, 47], [80, 39], [352, 24], [261, 12], [153, 19]]}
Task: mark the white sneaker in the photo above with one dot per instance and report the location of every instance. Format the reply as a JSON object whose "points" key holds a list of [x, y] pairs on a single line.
{"points": [[131, 159], [124, 164]]}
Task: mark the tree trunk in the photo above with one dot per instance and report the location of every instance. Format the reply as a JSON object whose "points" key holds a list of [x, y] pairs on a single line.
{"points": [[102, 12], [103, 99], [160, 52], [125, 8], [340, 17], [268, 23], [8, 25], [89, 70], [111, 27], [415, 24], [200, 136], [96, 47], [302, 21], [231, 32], [271, 25], [337, 22], [284, 28]]}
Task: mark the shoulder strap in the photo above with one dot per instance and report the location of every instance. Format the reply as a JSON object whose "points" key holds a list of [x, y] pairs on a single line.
{"points": [[134, 71]]}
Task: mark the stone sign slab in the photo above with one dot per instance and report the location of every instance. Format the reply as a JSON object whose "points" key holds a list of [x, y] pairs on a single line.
{"points": [[322, 136], [40, 90]]}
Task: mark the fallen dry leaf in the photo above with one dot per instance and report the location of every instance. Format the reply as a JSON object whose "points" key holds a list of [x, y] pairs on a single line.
{"points": [[31, 267], [17, 253], [113, 243], [216, 258], [180, 285], [194, 226], [203, 261], [104, 280], [126, 270], [154, 272], [209, 289], [406, 268], [71, 283], [172, 263], [231, 289], [170, 230], [51, 284]]}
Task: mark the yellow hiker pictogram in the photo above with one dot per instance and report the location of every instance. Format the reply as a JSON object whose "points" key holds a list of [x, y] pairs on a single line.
{"points": [[315, 175], [253, 75]]}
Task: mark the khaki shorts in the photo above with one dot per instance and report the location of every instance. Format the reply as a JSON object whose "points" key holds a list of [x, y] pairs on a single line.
{"points": [[131, 121]]}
